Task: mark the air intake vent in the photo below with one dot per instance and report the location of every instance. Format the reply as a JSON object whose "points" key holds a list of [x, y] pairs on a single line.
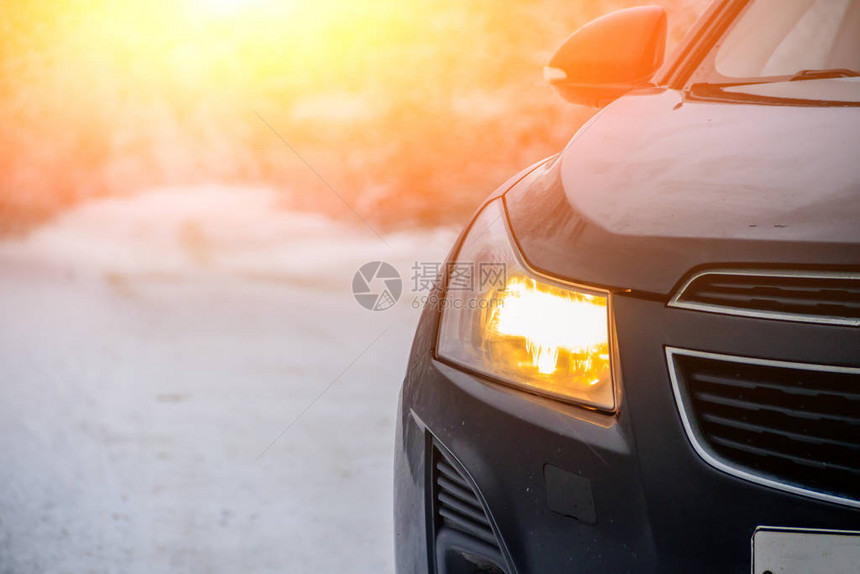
{"points": [[461, 524], [456, 503], [784, 424], [825, 297]]}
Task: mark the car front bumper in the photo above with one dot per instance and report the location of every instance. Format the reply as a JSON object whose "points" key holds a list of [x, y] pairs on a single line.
{"points": [[571, 490]]}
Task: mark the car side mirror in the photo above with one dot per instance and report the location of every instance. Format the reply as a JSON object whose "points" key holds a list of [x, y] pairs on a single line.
{"points": [[609, 56]]}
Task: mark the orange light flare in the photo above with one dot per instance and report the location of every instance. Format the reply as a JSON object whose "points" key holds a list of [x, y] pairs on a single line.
{"points": [[279, 41], [139, 94]]}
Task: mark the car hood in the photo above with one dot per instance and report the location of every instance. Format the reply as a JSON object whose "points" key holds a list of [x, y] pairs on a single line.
{"points": [[654, 186]]}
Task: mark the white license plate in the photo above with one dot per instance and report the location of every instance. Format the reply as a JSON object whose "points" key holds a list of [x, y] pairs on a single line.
{"points": [[798, 551]]}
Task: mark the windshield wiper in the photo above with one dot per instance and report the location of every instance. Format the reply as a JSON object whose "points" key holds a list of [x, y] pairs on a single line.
{"points": [[823, 74], [813, 74], [718, 90], [706, 89]]}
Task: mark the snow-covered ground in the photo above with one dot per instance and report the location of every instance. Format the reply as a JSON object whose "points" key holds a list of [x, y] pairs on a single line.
{"points": [[153, 347]]}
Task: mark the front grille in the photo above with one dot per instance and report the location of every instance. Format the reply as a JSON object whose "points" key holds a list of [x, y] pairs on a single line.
{"points": [[795, 424], [825, 297]]}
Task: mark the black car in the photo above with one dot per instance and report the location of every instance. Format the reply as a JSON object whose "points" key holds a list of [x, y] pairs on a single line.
{"points": [[655, 364]]}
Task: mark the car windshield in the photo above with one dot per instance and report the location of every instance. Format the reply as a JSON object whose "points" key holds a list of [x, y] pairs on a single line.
{"points": [[810, 47]]}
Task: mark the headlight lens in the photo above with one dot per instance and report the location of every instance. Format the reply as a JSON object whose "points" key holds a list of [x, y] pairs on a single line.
{"points": [[503, 321]]}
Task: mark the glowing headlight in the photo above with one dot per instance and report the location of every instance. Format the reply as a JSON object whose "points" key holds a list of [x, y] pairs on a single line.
{"points": [[501, 320]]}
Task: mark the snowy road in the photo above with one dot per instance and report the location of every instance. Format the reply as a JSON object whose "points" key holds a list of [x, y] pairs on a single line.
{"points": [[151, 348]]}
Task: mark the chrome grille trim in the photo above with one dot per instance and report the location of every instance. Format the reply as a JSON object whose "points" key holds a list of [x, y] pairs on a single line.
{"points": [[704, 451], [678, 300]]}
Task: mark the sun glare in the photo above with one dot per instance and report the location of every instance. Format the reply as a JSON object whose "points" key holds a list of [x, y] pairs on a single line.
{"points": [[225, 7]]}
